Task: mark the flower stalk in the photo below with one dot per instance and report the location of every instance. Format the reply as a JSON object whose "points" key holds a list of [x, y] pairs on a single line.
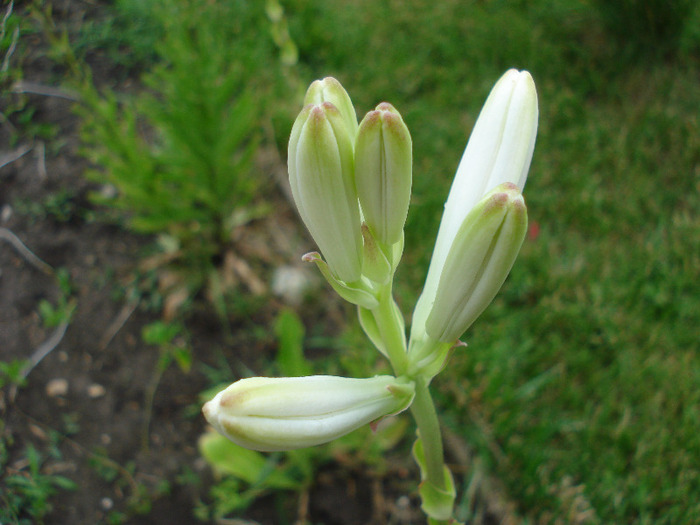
{"points": [[352, 186]]}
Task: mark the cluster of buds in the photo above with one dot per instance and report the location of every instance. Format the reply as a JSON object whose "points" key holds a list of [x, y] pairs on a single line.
{"points": [[352, 185]]}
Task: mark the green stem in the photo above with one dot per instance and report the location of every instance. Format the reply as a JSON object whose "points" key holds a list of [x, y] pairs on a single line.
{"points": [[391, 330], [392, 333], [423, 411]]}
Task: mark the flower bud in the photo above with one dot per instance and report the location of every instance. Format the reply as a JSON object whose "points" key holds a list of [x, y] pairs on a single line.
{"points": [[269, 414], [383, 163], [481, 256], [499, 150], [322, 179], [330, 90]]}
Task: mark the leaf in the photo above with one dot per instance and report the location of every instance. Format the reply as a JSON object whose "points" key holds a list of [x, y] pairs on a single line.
{"points": [[437, 503], [254, 468], [290, 355], [183, 358], [370, 327]]}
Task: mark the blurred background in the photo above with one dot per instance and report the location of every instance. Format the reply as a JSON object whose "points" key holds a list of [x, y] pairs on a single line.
{"points": [[149, 255]]}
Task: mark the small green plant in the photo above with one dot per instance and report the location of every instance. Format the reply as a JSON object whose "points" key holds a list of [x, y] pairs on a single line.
{"points": [[60, 206], [180, 156], [127, 34], [15, 112], [9, 39], [11, 373], [245, 475], [171, 341], [62, 312], [140, 495], [25, 499]]}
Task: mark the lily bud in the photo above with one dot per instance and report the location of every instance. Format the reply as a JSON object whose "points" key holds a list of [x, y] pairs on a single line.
{"points": [[499, 150], [482, 254], [322, 179], [383, 164], [330, 90], [270, 414]]}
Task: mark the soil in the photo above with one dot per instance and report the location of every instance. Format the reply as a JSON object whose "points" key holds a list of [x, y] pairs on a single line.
{"points": [[88, 396]]}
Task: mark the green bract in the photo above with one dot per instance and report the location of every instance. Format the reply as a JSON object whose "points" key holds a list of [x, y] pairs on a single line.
{"points": [[286, 413]]}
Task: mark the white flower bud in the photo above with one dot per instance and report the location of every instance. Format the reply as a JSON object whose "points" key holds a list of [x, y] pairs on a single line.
{"points": [[481, 256], [269, 414], [330, 90], [383, 163], [322, 179]]}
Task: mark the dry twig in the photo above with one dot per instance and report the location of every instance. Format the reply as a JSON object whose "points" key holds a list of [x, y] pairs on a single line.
{"points": [[25, 252], [45, 348]]}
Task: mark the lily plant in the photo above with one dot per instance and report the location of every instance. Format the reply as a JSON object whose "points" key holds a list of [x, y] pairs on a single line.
{"points": [[352, 186]]}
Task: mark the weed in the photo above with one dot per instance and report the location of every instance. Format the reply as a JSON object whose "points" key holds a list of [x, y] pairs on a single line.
{"points": [[62, 312], [127, 35], [61, 206], [180, 156], [172, 347], [11, 373], [16, 112], [29, 487], [140, 496]]}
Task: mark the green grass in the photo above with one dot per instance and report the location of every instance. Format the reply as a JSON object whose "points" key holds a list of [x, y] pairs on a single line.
{"points": [[584, 373], [581, 383]]}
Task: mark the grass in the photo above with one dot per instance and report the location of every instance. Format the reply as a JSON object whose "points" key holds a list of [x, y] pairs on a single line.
{"points": [[27, 490], [587, 364], [581, 382]]}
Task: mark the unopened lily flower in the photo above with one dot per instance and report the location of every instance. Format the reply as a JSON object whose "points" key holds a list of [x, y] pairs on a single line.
{"points": [[383, 172], [499, 150], [270, 414], [330, 90], [479, 260], [322, 179]]}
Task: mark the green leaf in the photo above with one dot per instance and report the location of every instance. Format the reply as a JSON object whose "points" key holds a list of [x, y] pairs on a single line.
{"points": [[290, 355], [159, 333], [183, 358], [253, 467], [370, 327], [437, 503]]}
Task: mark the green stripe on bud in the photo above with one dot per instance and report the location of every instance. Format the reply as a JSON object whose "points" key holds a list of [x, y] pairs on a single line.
{"points": [[480, 258], [270, 414], [383, 171]]}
